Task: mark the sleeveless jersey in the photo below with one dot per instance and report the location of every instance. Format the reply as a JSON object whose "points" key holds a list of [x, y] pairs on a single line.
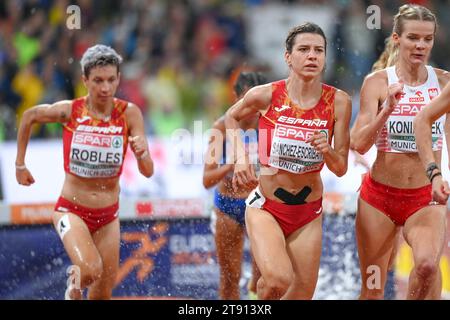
{"points": [[397, 135], [95, 148], [285, 128]]}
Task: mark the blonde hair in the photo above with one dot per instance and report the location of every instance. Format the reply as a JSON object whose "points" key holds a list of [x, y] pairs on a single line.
{"points": [[406, 12]]}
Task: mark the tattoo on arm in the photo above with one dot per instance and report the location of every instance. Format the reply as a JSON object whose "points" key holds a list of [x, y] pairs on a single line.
{"points": [[63, 116]]}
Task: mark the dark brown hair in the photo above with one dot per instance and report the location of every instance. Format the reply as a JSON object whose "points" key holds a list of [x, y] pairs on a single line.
{"points": [[307, 27], [247, 80]]}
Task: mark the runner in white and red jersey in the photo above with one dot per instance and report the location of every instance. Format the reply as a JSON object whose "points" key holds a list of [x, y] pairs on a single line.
{"points": [[396, 193], [299, 118], [97, 130]]}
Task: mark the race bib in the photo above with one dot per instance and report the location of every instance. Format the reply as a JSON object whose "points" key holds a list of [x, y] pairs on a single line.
{"points": [[96, 155], [255, 199], [400, 129], [290, 151]]}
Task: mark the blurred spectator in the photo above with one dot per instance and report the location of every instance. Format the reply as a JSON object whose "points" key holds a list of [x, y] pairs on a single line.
{"points": [[179, 53]]}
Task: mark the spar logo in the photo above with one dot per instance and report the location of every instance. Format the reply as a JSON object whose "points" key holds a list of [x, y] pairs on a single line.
{"points": [[433, 93], [293, 133], [92, 140], [406, 110]]}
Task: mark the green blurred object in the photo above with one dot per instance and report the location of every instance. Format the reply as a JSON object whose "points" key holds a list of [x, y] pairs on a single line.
{"points": [[53, 130], [27, 48], [165, 123], [2, 131]]}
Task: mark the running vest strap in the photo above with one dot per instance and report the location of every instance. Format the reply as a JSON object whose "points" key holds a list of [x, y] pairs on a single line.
{"points": [[95, 148], [285, 128], [397, 135]]}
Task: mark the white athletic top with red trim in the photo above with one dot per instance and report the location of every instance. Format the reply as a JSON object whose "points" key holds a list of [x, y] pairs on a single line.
{"points": [[397, 134]]}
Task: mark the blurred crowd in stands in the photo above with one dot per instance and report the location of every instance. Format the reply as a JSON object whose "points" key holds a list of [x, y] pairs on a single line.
{"points": [[181, 57]]}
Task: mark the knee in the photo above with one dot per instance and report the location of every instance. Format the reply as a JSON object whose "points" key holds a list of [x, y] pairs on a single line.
{"points": [[100, 294], [91, 272], [426, 269], [372, 295], [278, 282]]}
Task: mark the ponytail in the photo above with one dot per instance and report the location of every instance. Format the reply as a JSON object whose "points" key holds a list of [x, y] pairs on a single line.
{"points": [[389, 56]]}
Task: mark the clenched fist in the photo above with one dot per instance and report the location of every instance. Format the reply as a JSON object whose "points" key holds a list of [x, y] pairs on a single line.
{"points": [[139, 147], [395, 92], [320, 142], [24, 177]]}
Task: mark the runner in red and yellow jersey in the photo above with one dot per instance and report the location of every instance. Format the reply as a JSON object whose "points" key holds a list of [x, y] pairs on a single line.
{"points": [[299, 117], [97, 130]]}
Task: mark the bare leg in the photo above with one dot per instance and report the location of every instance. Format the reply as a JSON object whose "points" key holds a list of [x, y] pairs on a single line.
{"points": [[256, 274], [375, 236], [229, 245], [107, 240], [81, 249], [269, 250], [304, 248], [425, 233]]}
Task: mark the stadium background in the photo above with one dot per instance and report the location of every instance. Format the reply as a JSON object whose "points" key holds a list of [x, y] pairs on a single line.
{"points": [[181, 58]]}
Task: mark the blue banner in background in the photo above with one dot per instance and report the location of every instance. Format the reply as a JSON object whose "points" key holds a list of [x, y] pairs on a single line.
{"points": [[161, 259], [170, 259]]}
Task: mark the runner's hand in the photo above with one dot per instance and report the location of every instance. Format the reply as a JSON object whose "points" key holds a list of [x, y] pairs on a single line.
{"points": [[244, 176], [138, 146], [24, 177], [319, 142], [440, 190], [395, 92]]}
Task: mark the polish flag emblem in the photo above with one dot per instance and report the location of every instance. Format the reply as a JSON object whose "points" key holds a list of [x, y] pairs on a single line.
{"points": [[433, 93]]}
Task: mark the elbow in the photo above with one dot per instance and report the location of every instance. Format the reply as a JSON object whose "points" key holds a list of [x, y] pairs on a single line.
{"points": [[149, 174], [358, 144], [28, 117], [340, 172], [359, 147], [147, 171], [207, 183], [229, 118]]}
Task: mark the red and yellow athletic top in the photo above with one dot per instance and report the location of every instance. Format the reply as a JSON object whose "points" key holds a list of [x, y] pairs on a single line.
{"points": [[285, 128], [95, 148]]}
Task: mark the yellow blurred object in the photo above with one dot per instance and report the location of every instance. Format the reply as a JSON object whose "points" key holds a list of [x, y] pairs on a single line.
{"points": [[252, 295], [445, 269], [28, 85], [404, 261], [56, 15], [80, 90]]}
